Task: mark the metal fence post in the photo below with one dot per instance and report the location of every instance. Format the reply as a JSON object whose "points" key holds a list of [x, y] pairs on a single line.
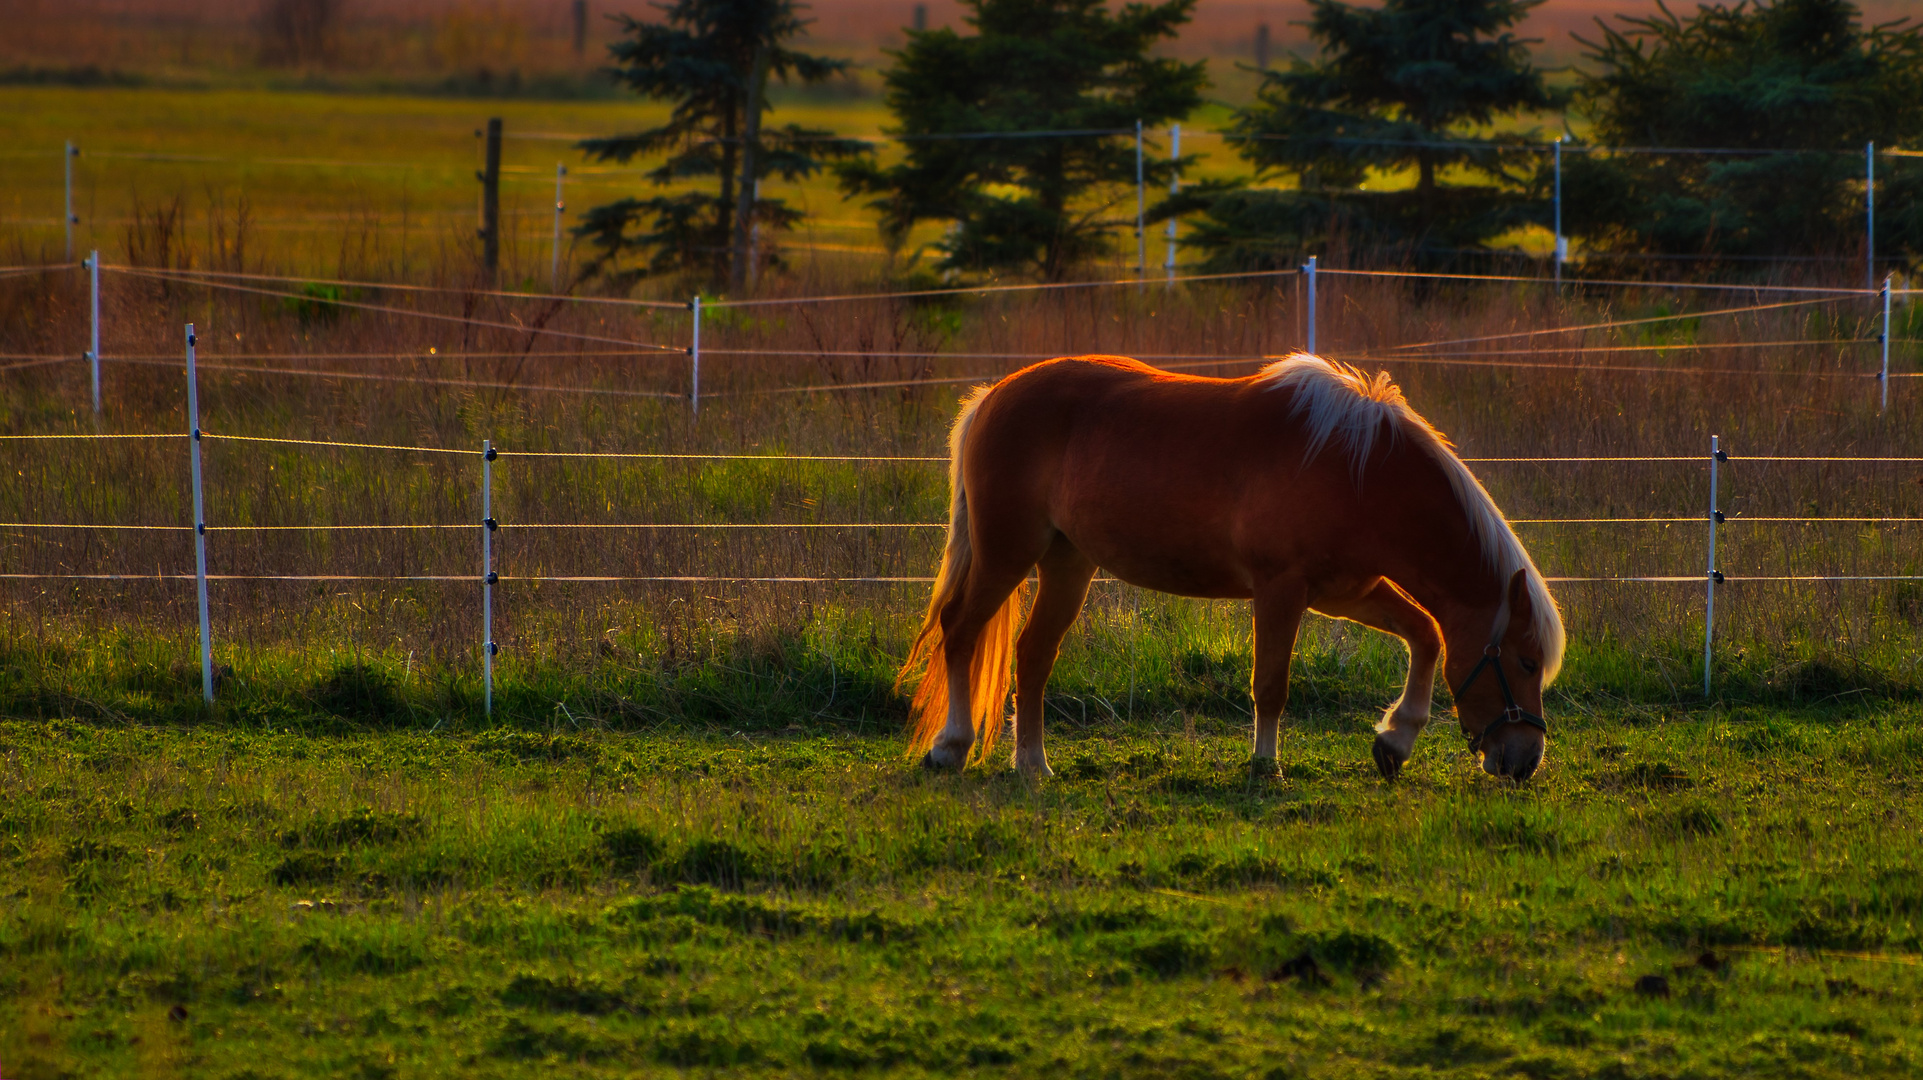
{"points": [[93, 350], [1141, 209], [1562, 244], [1714, 576], [1174, 187], [488, 577], [1869, 214], [694, 358], [200, 523], [72, 219], [560, 206], [1884, 377], [1309, 269]]}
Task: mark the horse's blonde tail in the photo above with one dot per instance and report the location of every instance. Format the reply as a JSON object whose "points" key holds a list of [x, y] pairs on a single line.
{"points": [[990, 673]]}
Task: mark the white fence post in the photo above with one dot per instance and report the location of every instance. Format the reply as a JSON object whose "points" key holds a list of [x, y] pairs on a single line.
{"points": [[1174, 186], [72, 152], [93, 351], [560, 206], [694, 358], [1884, 377], [200, 523], [1714, 576], [1562, 244], [488, 577], [1141, 209], [1869, 215], [1309, 269]]}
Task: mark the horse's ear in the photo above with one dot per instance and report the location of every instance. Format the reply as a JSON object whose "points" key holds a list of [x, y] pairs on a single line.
{"points": [[1522, 607]]}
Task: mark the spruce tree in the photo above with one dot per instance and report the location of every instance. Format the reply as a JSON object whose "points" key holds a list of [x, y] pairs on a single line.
{"points": [[712, 59], [1801, 83], [1022, 200], [1410, 86]]}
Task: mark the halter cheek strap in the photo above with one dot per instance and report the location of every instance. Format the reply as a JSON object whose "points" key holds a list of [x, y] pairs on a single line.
{"points": [[1511, 713]]}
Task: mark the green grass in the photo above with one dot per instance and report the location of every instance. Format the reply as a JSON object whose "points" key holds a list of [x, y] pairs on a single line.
{"points": [[326, 176], [216, 899]]}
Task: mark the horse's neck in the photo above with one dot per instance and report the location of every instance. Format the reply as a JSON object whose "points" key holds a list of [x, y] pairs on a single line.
{"points": [[1446, 572]]}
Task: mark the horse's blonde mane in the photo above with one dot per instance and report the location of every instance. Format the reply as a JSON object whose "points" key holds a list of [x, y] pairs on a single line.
{"points": [[1340, 404]]}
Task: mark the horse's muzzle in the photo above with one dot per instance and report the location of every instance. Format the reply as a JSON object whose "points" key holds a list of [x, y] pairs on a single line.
{"points": [[1515, 752]]}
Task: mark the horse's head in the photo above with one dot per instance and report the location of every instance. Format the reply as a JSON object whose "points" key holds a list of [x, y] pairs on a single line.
{"points": [[1499, 691]]}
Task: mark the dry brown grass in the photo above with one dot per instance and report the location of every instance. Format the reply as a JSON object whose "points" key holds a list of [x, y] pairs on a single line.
{"points": [[1805, 399]]}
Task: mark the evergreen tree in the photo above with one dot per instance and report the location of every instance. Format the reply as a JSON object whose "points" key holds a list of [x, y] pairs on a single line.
{"points": [[1800, 81], [712, 59], [1031, 65], [1411, 85]]}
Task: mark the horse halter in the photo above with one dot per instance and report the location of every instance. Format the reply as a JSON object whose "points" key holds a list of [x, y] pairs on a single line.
{"points": [[1512, 713]]}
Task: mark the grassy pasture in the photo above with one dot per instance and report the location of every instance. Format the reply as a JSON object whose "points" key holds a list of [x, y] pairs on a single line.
{"points": [[1708, 897]]}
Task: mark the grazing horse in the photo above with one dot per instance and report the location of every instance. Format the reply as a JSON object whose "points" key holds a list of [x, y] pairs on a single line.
{"points": [[1307, 486]]}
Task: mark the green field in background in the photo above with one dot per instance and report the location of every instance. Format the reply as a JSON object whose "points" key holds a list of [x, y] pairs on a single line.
{"points": [[328, 178]]}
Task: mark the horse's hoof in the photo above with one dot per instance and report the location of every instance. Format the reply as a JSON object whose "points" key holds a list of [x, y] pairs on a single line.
{"points": [[1386, 759], [1264, 768]]}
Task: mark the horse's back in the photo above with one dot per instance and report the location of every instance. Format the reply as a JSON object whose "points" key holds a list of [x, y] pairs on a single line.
{"points": [[1149, 472]]}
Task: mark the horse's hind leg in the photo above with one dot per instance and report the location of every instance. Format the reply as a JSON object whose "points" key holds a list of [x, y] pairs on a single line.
{"points": [[1390, 610], [1065, 574], [1279, 605]]}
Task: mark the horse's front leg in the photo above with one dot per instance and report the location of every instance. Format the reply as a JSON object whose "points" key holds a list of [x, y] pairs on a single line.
{"points": [[1388, 609], [1279, 605]]}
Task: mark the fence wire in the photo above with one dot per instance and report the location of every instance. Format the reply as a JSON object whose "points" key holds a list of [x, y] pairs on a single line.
{"points": [[518, 328], [702, 579], [1613, 324]]}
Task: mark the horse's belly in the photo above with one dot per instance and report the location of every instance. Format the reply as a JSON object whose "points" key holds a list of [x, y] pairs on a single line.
{"points": [[1159, 556], [1180, 580]]}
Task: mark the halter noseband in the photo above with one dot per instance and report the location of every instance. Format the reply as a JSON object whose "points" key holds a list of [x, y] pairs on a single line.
{"points": [[1512, 713]]}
